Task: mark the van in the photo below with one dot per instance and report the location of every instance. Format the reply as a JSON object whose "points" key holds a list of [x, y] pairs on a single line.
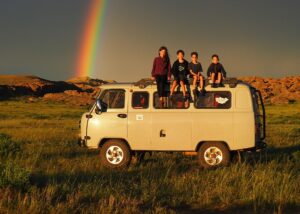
{"points": [[127, 120]]}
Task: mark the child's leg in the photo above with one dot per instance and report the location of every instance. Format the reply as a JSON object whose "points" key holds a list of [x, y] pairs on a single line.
{"points": [[195, 81], [213, 77], [174, 84], [219, 77], [183, 87], [201, 82]]}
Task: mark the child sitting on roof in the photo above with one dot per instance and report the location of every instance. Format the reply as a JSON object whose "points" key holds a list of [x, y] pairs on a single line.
{"points": [[195, 69], [180, 71], [216, 72]]}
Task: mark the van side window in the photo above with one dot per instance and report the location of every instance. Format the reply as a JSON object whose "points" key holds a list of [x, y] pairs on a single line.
{"points": [[178, 101], [140, 100], [113, 98], [214, 100]]}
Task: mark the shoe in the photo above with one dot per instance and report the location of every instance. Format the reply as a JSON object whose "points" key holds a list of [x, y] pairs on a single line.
{"points": [[221, 85], [202, 92], [214, 85]]}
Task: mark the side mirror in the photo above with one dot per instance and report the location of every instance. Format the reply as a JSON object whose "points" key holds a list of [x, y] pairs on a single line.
{"points": [[98, 109]]}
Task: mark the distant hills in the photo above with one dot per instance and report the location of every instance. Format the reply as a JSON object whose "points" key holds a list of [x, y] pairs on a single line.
{"points": [[276, 91], [83, 90]]}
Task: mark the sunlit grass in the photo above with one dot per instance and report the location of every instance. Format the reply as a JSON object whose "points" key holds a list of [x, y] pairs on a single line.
{"points": [[64, 178]]}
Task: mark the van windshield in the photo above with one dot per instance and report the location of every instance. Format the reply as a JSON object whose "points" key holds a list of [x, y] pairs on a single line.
{"points": [[113, 98]]}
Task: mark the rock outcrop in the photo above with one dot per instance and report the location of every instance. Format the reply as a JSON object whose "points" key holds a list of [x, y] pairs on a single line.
{"points": [[276, 91], [83, 90], [13, 85], [79, 91]]}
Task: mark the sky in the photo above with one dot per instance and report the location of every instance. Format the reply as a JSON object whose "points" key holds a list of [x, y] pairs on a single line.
{"points": [[42, 37]]}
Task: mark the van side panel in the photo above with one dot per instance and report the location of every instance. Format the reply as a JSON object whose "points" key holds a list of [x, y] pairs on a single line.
{"points": [[139, 129], [171, 130], [244, 124], [212, 125]]}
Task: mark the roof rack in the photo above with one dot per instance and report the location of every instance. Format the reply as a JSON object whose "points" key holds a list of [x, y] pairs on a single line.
{"points": [[145, 82]]}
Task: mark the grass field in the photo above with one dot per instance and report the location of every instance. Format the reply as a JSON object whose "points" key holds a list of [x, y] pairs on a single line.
{"points": [[44, 171]]}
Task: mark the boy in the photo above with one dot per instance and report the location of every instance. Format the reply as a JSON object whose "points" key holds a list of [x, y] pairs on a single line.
{"points": [[216, 72], [195, 69], [179, 71]]}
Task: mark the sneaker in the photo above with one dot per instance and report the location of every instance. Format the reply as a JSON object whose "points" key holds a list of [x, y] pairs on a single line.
{"points": [[214, 85], [202, 92], [221, 85]]}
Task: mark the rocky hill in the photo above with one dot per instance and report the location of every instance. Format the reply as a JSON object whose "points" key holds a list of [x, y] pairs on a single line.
{"points": [[13, 85], [83, 90], [276, 91], [79, 91]]}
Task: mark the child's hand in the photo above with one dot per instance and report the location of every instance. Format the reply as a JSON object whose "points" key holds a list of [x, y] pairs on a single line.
{"points": [[152, 78]]}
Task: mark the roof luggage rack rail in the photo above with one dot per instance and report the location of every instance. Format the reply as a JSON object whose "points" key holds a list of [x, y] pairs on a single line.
{"points": [[231, 81], [145, 82]]}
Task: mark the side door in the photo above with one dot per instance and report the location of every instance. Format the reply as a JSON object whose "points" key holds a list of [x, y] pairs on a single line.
{"points": [[213, 118], [112, 121], [171, 125], [139, 121]]}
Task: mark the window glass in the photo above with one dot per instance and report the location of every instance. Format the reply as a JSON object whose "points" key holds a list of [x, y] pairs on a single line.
{"points": [[178, 101], [214, 100], [113, 98], [140, 100]]}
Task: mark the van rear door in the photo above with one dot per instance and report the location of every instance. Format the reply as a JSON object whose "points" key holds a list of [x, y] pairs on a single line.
{"points": [[260, 115]]}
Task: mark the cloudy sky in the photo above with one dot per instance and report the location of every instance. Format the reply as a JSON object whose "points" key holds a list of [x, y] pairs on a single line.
{"points": [[42, 37]]}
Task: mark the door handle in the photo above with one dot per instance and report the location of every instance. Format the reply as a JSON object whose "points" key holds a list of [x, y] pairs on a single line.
{"points": [[122, 115], [162, 133]]}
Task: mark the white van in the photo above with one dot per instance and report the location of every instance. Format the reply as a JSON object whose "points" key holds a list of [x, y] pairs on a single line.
{"points": [[127, 121]]}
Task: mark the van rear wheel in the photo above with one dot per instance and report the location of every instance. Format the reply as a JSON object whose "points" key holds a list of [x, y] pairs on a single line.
{"points": [[115, 154], [213, 154]]}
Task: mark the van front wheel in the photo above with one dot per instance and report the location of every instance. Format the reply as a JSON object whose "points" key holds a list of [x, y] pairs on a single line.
{"points": [[115, 154], [213, 154]]}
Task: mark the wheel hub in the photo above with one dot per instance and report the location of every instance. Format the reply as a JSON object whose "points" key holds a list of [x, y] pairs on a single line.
{"points": [[114, 155], [213, 156]]}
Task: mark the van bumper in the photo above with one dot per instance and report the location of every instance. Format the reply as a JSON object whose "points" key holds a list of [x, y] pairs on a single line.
{"points": [[81, 142]]}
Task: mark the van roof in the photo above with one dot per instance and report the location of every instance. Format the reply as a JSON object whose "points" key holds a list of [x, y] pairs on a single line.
{"points": [[149, 84]]}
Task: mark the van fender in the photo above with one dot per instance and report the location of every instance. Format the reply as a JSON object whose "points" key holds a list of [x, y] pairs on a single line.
{"points": [[201, 142], [103, 141]]}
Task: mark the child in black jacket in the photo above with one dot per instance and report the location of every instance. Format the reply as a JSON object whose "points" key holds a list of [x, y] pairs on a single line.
{"points": [[180, 71], [216, 72]]}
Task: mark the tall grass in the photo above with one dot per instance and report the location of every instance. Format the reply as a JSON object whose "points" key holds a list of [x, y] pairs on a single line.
{"points": [[60, 177]]}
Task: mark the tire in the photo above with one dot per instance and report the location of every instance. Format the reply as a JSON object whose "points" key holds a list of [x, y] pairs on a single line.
{"points": [[115, 154], [213, 154]]}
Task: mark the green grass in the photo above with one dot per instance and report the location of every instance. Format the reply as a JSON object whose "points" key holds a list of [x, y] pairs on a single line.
{"points": [[44, 171]]}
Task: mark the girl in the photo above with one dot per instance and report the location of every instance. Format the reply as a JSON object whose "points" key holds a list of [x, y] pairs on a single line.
{"points": [[161, 73]]}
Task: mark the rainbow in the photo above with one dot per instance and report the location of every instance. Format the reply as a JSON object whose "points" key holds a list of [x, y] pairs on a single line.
{"points": [[92, 35]]}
